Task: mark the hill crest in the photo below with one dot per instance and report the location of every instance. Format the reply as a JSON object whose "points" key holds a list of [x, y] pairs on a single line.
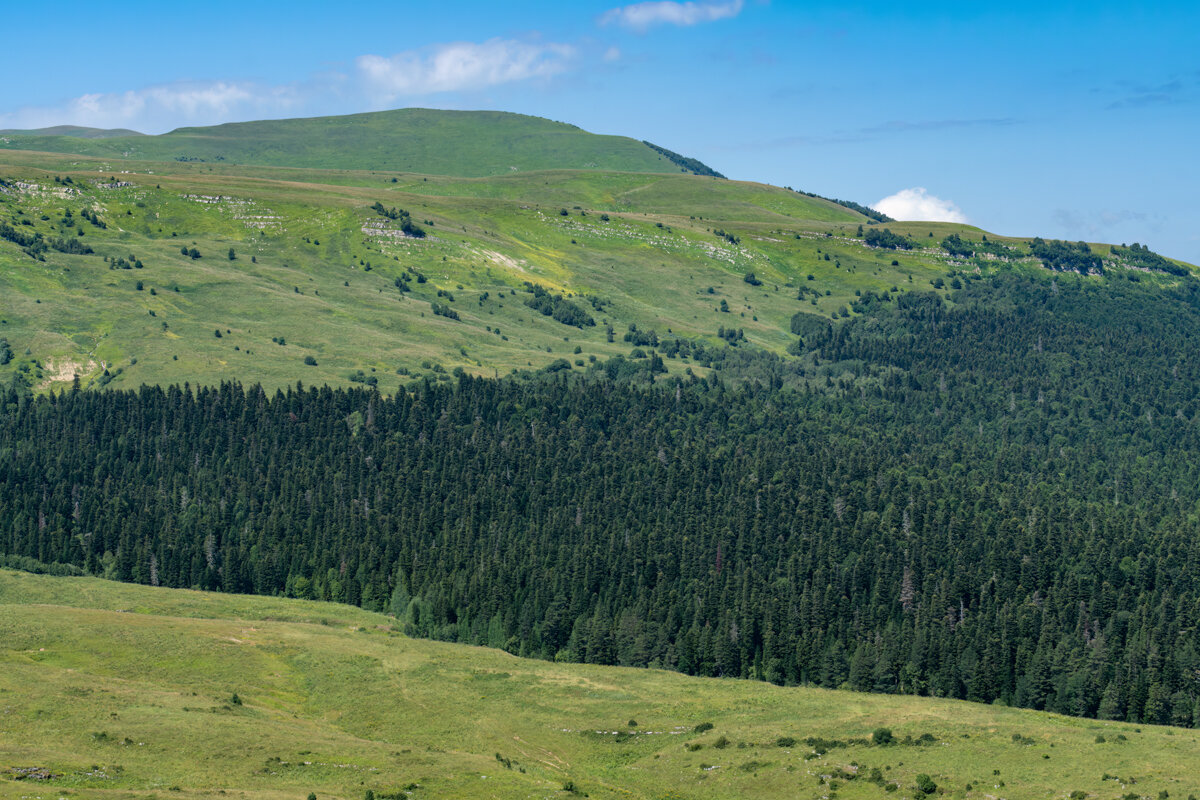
{"points": [[416, 140], [76, 131]]}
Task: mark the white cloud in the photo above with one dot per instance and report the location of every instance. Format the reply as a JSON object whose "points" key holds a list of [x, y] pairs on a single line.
{"points": [[1102, 223], [918, 205], [459, 66], [642, 16], [157, 108], [449, 67]]}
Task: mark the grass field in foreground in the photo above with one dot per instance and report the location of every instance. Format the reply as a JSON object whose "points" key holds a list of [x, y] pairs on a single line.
{"points": [[127, 691]]}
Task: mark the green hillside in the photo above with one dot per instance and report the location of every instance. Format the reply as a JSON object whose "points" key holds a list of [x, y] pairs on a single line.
{"points": [[642, 245], [646, 248], [748, 432], [120, 691], [467, 143], [75, 131], [657, 251]]}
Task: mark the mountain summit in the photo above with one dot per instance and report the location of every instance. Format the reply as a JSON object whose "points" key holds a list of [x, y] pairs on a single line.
{"points": [[428, 141]]}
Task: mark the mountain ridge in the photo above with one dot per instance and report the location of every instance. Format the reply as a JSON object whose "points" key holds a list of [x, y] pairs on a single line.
{"points": [[732, 418], [76, 131], [431, 141], [300, 254]]}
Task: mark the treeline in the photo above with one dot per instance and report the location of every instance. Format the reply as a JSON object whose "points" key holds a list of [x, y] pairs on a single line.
{"points": [[26, 564], [557, 307], [407, 226], [866, 211], [679, 347], [1142, 257], [874, 237], [35, 245], [686, 164], [442, 310], [992, 500], [1066, 256], [959, 247]]}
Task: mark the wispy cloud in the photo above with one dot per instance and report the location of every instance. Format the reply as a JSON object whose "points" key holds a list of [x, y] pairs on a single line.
{"points": [[160, 107], [918, 205], [856, 135], [1098, 224], [801, 140], [641, 17], [1143, 96], [462, 66], [905, 126], [375, 80]]}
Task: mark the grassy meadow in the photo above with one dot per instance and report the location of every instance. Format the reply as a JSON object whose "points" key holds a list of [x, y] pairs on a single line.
{"points": [[126, 691], [406, 140], [299, 279], [316, 268]]}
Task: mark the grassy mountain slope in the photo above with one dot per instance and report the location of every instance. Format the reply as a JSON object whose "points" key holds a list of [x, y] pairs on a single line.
{"points": [[126, 691], [468, 143], [309, 285], [661, 252], [75, 131]]}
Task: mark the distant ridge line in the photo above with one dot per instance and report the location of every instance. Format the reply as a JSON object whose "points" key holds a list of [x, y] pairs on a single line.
{"points": [[692, 165]]}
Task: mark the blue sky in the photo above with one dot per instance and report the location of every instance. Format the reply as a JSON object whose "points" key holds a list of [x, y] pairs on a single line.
{"points": [[1069, 120]]}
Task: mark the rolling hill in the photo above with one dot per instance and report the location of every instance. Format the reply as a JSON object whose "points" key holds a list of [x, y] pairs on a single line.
{"points": [[316, 267], [741, 430], [466, 143], [113, 690], [74, 131]]}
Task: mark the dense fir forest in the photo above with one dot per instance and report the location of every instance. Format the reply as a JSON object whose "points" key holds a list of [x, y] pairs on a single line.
{"points": [[994, 498]]}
